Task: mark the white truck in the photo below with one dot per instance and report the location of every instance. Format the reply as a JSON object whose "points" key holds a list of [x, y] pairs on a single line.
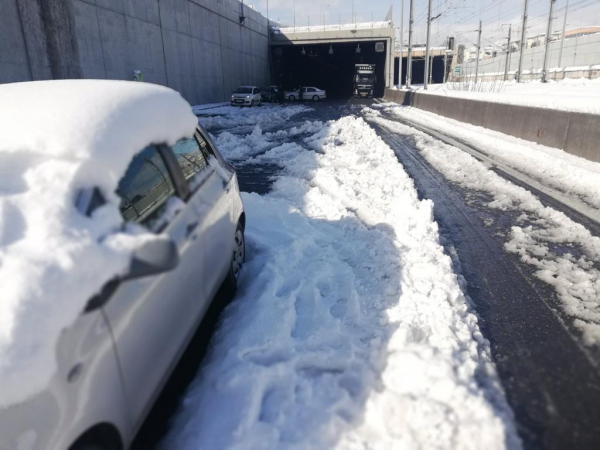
{"points": [[364, 80]]}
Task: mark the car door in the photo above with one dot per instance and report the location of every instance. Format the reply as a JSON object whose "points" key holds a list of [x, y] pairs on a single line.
{"points": [[151, 318], [213, 202]]}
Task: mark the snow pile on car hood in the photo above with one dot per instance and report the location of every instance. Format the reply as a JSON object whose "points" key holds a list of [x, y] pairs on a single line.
{"points": [[57, 137], [350, 329]]}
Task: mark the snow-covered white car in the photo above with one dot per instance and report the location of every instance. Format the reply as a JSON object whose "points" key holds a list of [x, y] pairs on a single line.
{"points": [[120, 221], [309, 93], [246, 96]]}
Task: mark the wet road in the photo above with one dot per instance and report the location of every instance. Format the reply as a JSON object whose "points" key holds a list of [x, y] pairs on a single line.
{"points": [[551, 380]]}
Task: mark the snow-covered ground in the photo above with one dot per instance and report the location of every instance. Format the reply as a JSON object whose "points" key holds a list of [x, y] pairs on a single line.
{"points": [[350, 328], [235, 116], [578, 95], [541, 233]]}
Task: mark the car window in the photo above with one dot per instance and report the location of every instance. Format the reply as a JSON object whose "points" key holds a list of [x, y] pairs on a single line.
{"points": [[311, 89], [145, 188], [191, 157]]}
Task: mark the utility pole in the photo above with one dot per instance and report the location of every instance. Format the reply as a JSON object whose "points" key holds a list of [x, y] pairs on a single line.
{"points": [[522, 46], [401, 42], [426, 73], [562, 39], [547, 49], [478, 53], [507, 63], [446, 58], [409, 52]]}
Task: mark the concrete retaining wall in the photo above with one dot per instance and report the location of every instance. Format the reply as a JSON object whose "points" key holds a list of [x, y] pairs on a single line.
{"points": [[576, 133], [197, 47]]}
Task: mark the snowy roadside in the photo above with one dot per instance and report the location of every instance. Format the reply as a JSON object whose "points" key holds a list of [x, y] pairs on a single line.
{"points": [[576, 95], [350, 329], [563, 253], [556, 168]]}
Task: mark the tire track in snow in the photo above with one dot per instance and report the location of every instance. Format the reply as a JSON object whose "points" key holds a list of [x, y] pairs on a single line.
{"points": [[551, 380]]}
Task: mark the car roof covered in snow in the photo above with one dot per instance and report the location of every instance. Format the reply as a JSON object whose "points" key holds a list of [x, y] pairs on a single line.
{"points": [[78, 118]]}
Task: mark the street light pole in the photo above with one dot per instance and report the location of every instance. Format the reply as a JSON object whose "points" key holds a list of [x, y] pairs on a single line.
{"points": [[562, 39], [409, 53], [522, 45], [547, 49], [507, 63], [478, 53], [426, 73], [401, 42]]}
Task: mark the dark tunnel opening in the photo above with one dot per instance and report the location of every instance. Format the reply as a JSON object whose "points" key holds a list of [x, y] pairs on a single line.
{"points": [[328, 66], [418, 70]]}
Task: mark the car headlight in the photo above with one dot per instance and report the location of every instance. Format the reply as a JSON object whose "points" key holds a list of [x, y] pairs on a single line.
{"points": [[247, 97], [232, 97]]}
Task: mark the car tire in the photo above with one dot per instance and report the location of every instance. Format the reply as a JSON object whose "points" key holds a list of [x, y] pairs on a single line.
{"points": [[251, 103], [260, 103], [237, 260], [315, 98], [292, 98]]}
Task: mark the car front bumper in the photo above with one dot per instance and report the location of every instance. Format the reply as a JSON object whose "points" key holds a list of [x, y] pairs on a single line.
{"points": [[241, 102]]}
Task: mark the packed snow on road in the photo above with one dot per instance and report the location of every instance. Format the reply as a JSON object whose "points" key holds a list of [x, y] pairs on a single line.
{"points": [[350, 328]]}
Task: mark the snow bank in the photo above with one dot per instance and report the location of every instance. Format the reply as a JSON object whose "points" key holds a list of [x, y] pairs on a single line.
{"points": [[349, 329], [578, 95], [556, 168], [233, 116], [56, 138], [243, 148], [344, 26], [539, 236]]}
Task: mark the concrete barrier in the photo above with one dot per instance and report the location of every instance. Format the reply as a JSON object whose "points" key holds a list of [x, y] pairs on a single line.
{"points": [[575, 133]]}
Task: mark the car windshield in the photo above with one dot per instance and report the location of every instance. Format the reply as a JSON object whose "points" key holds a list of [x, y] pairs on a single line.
{"points": [[243, 90]]}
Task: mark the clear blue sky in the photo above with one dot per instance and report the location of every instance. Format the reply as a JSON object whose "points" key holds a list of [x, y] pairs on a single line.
{"points": [[458, 18]]}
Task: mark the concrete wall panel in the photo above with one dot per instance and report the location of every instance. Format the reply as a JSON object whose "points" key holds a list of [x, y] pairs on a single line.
{"points": [[197, 47], [114, 44], [146, 10], [576, 133]]}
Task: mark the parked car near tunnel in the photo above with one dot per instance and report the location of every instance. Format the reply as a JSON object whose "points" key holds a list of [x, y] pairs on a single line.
{"points": [[309, 93], [131, 221], [246, 96]]}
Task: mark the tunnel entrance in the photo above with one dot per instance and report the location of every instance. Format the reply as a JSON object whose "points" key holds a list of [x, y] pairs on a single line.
{"points": [[418, 70], [328, 66]]}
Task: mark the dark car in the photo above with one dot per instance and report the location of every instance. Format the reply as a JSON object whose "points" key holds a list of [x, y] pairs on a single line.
{"points": [[269, 93]]}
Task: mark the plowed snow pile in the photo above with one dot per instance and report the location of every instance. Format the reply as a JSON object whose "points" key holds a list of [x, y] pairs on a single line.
{"points": [[350, 329]]}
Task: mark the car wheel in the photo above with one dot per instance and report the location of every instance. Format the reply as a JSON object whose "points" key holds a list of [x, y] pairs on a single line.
{"points": [[315, 98], [237, 260], [251, 103], [260, 103], [292, 98]]}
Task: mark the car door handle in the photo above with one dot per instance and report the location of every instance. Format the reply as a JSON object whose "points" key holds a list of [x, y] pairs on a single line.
{"points": [[191, 227]]}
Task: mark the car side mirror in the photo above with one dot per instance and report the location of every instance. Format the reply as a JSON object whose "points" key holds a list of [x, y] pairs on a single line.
{"points": [[153, 257]]}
